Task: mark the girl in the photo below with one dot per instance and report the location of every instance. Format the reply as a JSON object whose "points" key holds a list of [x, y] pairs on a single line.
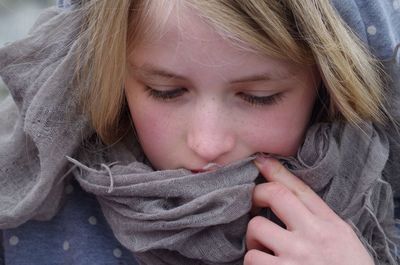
{"points": [[165, 104]]}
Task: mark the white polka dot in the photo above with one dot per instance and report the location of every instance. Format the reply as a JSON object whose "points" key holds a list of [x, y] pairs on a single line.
{"points": [[117, 253], [396, 4], [66, 245], [92, 220], [371, 30], [13, 240], [69, 189]]}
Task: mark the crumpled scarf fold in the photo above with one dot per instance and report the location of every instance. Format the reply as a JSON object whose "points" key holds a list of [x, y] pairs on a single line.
{"points": [[173, 216], [203, 217]]}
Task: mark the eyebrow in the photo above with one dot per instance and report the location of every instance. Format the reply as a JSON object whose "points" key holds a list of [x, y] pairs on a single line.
{"points": [[261, 77], [151, 71]]}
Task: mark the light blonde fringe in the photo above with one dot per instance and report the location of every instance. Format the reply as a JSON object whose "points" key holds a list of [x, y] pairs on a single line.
{"points": [[307, 31]]}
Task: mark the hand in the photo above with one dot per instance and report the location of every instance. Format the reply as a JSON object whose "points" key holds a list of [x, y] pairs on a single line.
{"points": [[315, 235]]}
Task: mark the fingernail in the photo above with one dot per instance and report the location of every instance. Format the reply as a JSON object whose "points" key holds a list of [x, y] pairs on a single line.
{"points": [[262, 157]]}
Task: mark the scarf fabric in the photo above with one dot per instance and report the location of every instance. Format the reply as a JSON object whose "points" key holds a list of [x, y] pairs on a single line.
{"points": [[377, 24], [173, 216], [177, 217]]}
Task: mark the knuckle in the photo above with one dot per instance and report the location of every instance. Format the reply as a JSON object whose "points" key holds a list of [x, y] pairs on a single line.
{"points": [[270, 193], [278, 190], [301, 250], [337, 232], [322, 236], [303, 188]]}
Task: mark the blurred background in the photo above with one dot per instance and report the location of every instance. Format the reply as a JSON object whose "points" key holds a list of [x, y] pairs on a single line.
{"points": [[16, 18]]}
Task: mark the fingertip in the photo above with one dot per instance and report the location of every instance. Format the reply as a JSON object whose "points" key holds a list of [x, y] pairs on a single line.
{"points": [[262, 160], [268, 166]]}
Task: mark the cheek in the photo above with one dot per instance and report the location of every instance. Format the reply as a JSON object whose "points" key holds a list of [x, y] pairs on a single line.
{"points": [[151, 128], [282, 130], [275, 136], [149, 124], [157, 130]]}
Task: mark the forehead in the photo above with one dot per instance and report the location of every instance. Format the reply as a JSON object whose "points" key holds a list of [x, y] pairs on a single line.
{"points": [[174, 22], [183, 35]]}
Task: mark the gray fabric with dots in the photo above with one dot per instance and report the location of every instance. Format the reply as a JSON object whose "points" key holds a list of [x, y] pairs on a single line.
{"points": [[68, 238], [168, 217]]}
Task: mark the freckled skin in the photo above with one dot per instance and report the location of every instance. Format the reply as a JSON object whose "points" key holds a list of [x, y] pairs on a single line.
{"points": [[210, 123]]}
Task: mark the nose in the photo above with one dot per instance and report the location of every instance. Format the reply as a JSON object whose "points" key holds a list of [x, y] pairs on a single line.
{"points": [[210, 136]]}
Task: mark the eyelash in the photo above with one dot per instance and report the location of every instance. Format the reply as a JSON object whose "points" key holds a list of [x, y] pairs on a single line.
{"points": [[252, 100], [261, 101], [165, 95]]}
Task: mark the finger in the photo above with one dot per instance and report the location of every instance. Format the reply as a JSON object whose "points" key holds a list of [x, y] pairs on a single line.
{"points": [[264, 235], [287, 207], [273, 170], [257, 257]]}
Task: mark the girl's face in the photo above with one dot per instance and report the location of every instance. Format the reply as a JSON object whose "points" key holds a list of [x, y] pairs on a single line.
{"points": [[196, 99]]}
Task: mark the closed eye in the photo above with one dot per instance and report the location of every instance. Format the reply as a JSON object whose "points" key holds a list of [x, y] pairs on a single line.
{"points": [[165, 95], [261, 100], [170, 94]]}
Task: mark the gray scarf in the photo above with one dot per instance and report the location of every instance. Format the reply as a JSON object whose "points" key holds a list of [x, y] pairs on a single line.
{"points": [[173, 216]]}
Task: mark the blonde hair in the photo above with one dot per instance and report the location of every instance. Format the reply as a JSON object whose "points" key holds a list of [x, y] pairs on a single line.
{"points": [[307, 32]]}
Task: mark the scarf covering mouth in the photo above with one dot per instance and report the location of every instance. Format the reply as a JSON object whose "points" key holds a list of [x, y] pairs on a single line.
{"points": [[166, 217]]}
